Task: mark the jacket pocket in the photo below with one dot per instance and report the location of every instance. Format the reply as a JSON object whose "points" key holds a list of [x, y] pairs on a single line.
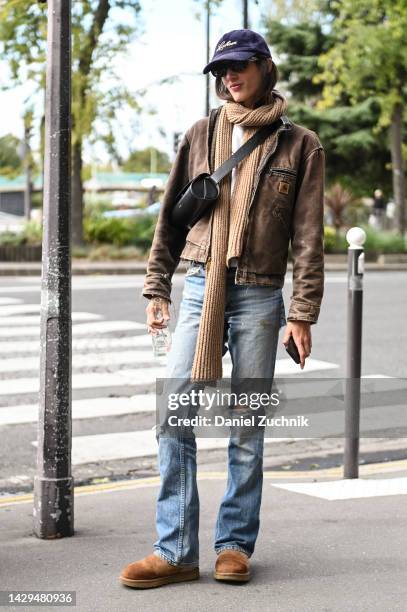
{"points": [[281, 183]]}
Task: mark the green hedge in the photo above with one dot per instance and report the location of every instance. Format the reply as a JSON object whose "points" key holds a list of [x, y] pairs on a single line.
{"points": [[376, 242], [31, 235], [137, 231]]}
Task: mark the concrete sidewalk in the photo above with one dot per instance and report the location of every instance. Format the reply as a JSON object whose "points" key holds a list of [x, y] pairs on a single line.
{"points": [[312, 554], [332, 264]]}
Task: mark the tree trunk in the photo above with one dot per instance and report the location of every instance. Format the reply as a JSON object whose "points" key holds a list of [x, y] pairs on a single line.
{"points": [[77, 195], [399, 185]]}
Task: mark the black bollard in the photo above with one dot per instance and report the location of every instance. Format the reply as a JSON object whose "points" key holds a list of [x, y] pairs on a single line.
{"points": [[356, 238]]}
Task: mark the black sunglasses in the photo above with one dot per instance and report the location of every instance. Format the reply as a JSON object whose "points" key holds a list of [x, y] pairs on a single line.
{"points": [[235, 66]]}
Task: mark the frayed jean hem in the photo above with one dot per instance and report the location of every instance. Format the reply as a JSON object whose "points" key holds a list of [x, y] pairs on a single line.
{"points": [[232, 547]]}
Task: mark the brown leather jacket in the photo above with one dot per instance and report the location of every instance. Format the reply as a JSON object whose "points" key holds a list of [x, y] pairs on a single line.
{"points": [[286, 205]]}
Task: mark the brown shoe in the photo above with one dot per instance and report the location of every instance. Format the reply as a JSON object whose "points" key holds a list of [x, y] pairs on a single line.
{"points": [[232, 565], [153, 571]]}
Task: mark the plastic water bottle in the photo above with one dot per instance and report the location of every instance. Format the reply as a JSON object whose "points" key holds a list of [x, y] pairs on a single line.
{"points": [[161, 339]]}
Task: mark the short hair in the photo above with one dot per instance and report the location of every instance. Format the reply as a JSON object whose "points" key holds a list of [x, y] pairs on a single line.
{"points": [[268, 83]]}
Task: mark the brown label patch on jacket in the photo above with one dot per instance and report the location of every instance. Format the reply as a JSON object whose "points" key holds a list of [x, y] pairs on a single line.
{"points": [[283, 187]]}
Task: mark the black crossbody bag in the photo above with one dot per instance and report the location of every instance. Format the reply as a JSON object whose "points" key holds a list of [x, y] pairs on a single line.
{"points": [[200, 194]]}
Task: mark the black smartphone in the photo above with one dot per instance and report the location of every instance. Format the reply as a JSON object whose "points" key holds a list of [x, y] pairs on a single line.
{"points": [[292, 350]]}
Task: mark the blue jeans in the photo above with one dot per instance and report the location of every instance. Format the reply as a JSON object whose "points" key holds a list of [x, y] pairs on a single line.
{"points": [[253, 317]]}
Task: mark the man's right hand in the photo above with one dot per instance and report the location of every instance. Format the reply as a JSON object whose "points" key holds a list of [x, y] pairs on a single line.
{"points": [[153, 308]]}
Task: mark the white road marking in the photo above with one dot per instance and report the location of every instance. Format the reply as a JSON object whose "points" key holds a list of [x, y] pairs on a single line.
{"points": [[98, 327], [131, 444], [354, 488], [18, 309], [9, 321], [84, 409], [9, 300], [79, 344], [376, 376], [19, 364], [94, 380], [128, 377], [322, 424], [125, 445], [288, 366]]}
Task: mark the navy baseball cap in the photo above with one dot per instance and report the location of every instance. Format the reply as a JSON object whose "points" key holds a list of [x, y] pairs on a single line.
{"points": [[238, 45]]}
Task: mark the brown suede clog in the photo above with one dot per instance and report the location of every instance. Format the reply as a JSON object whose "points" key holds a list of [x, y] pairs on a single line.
{"points": [[153, 571], [232, 565]]}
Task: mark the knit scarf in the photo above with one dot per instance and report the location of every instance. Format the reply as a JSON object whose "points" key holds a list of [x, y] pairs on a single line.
{"points": [[229, 218]]}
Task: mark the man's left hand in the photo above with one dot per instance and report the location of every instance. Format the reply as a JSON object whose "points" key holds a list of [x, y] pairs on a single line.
{"points": [[301, 333]]}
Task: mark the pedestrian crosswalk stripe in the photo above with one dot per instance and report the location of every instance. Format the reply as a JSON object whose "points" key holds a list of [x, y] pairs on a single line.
{"points": [[98, 327], [84, 409], [18, 364], [125, 445], [79, 344], [133, 444], [28, 320], [9, 300], [92, 380], [18, 309], [130, 377]]}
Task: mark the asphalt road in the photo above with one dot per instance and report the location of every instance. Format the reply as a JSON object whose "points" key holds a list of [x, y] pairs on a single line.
{"points": [[118, 298]]}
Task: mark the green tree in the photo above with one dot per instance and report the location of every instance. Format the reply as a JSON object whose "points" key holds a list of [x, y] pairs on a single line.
{"points": [[345, 129], [147, 160], [10, 161], [369, 60], [101, 30]]}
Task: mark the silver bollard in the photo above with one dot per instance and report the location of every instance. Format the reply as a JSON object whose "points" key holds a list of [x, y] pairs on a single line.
{"points": [[356, 238]]}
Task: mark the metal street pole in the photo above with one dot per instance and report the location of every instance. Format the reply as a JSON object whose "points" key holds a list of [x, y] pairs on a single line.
{"points": [[356, 238], [245, 14], [53, 485], [208, 50]]}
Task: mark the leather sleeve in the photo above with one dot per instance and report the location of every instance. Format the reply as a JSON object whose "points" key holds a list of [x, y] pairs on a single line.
{"points": [[307, 239], [168, 240]]}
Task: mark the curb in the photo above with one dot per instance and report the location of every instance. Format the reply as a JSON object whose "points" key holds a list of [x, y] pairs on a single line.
{"points": [[369, 469]]}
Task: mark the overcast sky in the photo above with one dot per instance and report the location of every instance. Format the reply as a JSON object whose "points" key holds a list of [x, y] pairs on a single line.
{"points": [[173, 43]]}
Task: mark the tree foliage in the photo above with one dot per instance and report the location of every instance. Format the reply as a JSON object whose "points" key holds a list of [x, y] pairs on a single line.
{"points": [[101, 32], [369, 58], [10, 161], [140, 161], [357, 152]]}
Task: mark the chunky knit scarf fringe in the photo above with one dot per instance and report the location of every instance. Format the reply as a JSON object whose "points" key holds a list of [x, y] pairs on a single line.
{"points": [[229, 219]]}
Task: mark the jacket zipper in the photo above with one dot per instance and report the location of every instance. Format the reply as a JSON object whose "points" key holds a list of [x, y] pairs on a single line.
{"points": [[282, 171]]}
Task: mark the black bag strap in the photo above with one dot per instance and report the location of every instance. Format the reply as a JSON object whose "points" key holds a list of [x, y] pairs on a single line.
{"points": [[253, 142]]}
